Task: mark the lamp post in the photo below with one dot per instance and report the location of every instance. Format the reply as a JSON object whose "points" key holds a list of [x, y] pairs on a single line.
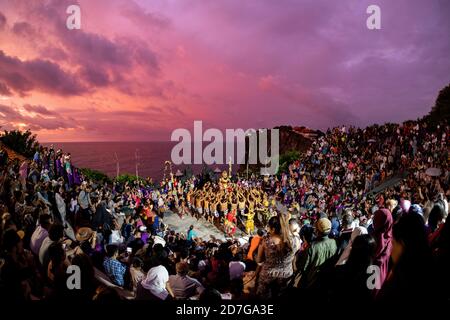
{"points": [[137, 163], [117, 164], [249, 151]]}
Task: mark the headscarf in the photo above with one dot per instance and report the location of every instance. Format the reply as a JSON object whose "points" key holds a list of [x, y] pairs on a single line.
{"points": [[382, 232], [346, 253], [156, 280], [405, 204]]}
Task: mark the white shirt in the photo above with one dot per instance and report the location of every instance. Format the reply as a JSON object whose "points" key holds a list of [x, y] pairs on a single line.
{"points": [[60, 203], [37, 238], [116, 237], [44, 249]]}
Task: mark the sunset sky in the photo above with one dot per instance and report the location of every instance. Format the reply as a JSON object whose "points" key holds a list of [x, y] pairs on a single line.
{"points": [[137, 70]]}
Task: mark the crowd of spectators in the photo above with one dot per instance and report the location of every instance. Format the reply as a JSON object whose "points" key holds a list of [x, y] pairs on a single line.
{"points": [[336, 238]]}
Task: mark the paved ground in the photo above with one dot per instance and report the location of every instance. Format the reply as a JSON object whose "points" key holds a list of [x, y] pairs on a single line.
{"points": [[203, 228], [386, 184]]}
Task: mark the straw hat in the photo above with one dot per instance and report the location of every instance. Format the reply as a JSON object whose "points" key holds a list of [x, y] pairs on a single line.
{"points": [[84, 234], [323, 225]]}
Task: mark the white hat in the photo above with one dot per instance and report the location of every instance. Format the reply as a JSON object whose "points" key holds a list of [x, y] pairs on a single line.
{"points": [[158, 239]]}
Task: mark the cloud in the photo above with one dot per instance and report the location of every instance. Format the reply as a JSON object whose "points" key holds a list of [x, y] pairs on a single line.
{"points": [[228, 63], [97, 77], [43, 119], [39, 110], [100, 60], [137, 15], [2, 21], [24, 76], [4, 90], [54, 53], [267, 82], [23, 29]]}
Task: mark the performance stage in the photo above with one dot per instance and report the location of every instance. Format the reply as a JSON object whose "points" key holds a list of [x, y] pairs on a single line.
{"points": [[203, 228]]}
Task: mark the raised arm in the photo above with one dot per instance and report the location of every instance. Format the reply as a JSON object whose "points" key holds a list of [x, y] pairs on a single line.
{"points": [[285, 231]]}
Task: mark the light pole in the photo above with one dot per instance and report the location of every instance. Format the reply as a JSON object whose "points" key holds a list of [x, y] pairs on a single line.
{"points": [[117, 164], [137, 163], [249, 151]]}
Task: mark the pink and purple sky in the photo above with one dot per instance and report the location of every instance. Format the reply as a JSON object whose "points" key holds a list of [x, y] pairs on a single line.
{"points": [[136, 70]]}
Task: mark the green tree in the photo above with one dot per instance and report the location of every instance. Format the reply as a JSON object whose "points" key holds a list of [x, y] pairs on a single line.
{"points": [[440, 112], [95, 175], [286, 159], [128, 177], [22, 142]]}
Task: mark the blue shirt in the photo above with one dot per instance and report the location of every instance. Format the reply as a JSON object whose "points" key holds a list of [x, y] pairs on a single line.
{"points": [[115, 271], [191, 234], [156, 223]]}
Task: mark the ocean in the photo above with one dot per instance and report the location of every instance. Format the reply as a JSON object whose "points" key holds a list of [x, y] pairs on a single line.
{"points": [[102, 156]]}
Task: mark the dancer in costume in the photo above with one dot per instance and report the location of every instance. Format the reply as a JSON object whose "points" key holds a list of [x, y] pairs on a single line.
{"points": [[230, 223], [250, 223], [224, 181]]}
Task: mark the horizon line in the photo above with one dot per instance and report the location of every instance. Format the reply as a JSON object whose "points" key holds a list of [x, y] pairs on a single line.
{"points": [[101, 141]]}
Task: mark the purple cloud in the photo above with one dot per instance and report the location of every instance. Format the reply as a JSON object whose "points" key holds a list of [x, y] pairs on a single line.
{"points": [[2, 21], [44, 118], [4, 90], [24, 76], [23, 29], [137, 15], [39, 109]]}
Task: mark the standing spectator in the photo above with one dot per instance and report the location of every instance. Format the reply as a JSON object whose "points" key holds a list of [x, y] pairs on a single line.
{"points": [[346, 253], [346, 231], [23, 172], [254, 244], [349, 282], [84, 201], [382, 232], [275, 257], [319, 254], [61, 205], [411, 278], [191, 235]]}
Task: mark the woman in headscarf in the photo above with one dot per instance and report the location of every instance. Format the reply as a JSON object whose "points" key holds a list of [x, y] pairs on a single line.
{"points": [[346, 253], [382, 232], [155, 285]]}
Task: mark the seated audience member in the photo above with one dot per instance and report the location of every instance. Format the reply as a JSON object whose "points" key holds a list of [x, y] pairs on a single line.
{"points": [[40, 233], [183, 286], [114, 268], [155, 285]]}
